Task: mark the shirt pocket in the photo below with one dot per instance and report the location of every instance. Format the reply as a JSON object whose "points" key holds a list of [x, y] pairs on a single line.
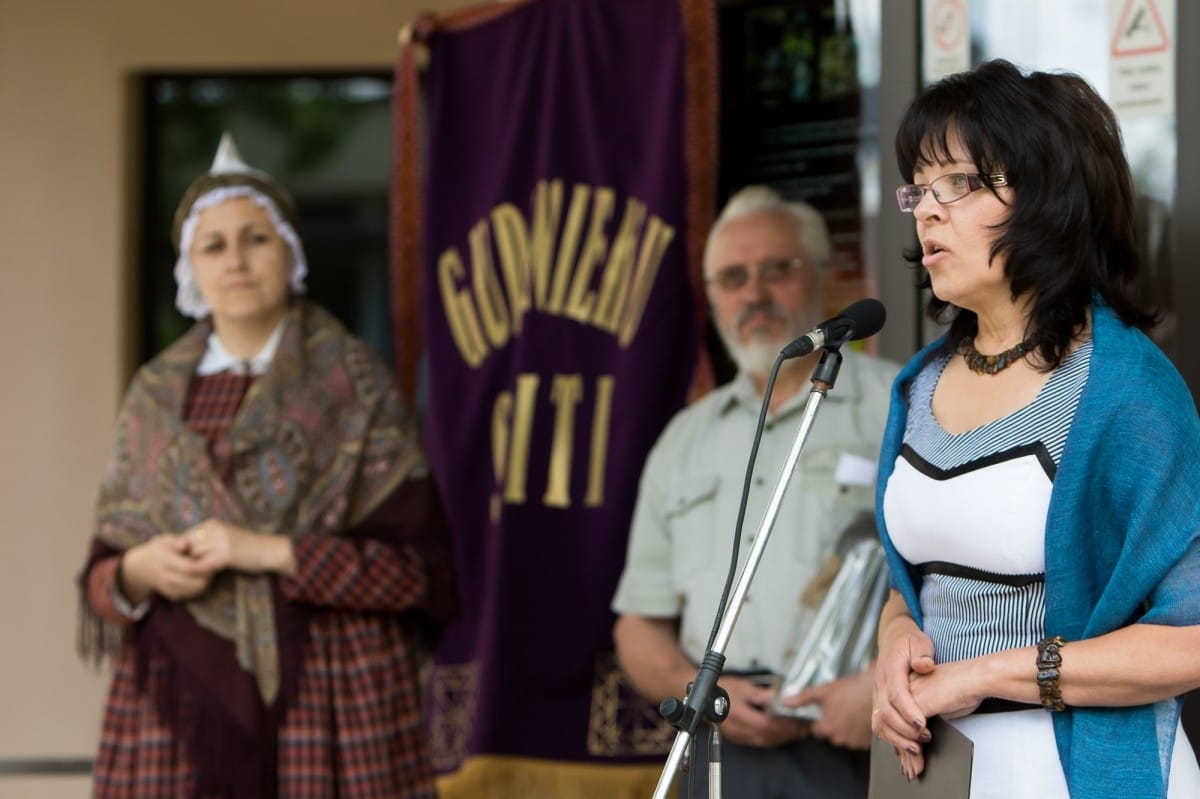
{"points": [[690, 515]]}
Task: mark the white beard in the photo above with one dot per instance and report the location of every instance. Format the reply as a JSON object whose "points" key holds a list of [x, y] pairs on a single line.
{"points": [[757, 356]]}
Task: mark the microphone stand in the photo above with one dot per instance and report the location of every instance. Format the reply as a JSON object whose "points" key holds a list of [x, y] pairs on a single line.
{"points": [[705, 700]]}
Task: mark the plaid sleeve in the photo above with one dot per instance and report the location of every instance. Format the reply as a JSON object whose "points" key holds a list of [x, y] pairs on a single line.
{"points": [[356, 574], [399, 558], [101, 579]]}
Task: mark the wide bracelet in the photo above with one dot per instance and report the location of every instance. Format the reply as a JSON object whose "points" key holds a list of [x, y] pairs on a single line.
{"points": [[1049, 661]]}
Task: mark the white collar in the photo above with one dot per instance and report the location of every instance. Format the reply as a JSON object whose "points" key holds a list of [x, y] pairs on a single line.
{"points": [[217, 358]]}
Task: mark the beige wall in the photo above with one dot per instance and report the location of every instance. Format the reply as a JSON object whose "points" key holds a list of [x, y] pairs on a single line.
{"points": [[67, 154]]}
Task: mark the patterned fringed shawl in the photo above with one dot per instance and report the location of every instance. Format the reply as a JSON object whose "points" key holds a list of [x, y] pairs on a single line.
{"points": [[318, 443]]}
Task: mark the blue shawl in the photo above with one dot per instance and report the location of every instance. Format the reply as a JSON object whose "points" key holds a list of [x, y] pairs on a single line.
{"points": [[1122, 542]]}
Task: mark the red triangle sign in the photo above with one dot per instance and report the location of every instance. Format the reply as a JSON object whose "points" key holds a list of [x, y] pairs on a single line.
{"points": [[1140, 30]]}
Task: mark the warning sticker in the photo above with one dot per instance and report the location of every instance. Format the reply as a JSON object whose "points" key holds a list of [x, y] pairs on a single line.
{"points": [[945, 38], [1142, 57]]}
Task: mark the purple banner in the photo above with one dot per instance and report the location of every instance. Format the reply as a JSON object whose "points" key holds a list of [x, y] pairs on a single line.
{"points": [[566, 185]]}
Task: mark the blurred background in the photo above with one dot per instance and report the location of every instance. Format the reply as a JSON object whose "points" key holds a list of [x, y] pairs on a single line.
{"points": [[108, 109]]}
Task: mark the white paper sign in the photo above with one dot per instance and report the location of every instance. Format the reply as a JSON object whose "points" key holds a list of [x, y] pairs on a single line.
{"points": [[1142, 57], [854, 470], [945, 38]]}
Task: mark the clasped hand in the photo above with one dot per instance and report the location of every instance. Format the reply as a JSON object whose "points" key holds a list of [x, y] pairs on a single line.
{"points": [[180, 566], [843, 720], [751, 722], [845, 704], [910, 689]]}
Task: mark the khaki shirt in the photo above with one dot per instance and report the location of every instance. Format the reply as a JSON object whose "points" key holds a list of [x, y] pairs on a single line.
{"points": [[683, 525]]}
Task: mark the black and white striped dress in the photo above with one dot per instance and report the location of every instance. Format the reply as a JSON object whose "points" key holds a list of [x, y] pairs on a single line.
{"points": [[969, 510]]}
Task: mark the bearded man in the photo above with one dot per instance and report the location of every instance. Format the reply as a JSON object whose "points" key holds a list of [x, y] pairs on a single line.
{"points": [[764, 266]]}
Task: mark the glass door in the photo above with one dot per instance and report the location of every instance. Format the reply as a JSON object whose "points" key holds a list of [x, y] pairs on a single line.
{"points": [[1080, 36]]}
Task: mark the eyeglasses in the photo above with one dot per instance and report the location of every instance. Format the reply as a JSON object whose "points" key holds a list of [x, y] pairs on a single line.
{"points": [[771, 271], [948, 188]]}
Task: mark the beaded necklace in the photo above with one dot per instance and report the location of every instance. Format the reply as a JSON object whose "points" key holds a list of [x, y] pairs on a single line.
{"points": [[982, 364]]}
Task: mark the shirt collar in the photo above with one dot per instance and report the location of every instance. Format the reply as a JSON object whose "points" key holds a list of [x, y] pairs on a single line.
{"points": [[218, 359]]}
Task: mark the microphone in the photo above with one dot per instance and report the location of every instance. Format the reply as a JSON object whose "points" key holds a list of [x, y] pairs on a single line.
{"points": [[858, 320]]}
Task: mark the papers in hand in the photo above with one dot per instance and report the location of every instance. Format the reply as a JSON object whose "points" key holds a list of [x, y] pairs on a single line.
{"points": [[841, 639], [947, 774]]}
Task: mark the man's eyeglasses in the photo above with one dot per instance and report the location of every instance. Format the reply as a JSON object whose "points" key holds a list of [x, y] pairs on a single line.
{"points": [[948, 188], [771, 271]]}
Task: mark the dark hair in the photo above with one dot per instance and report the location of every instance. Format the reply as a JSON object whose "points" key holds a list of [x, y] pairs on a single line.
{"points": [[1071, 227]]}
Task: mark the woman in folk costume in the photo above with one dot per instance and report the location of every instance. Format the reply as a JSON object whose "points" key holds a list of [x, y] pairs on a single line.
{"points": [[269, 555]]}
